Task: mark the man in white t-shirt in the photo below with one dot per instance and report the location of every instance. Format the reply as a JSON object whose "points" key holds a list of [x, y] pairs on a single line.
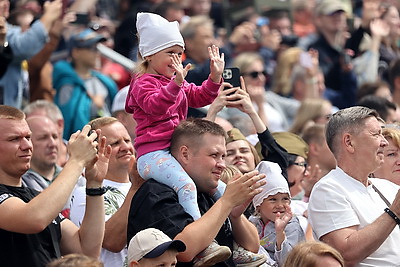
{"points": [[355, 214], [119, 190]]}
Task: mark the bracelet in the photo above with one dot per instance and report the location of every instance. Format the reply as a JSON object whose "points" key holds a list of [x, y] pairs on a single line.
{"points": [[394, 216], [96, 191]]}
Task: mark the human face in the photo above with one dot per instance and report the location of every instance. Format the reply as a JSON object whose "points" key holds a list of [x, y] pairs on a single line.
{"points": [[296, 174], [326, 113], [333, 23], [87, 57], [4, 8], [206, 162], [161, 62], [272, 205], [393, 19], [16, 150], [121, 149], [197, 48], [327, 261], [45, 142], [259, 80], [368, 145], [167, 259], [390, 168], [238, 153]]}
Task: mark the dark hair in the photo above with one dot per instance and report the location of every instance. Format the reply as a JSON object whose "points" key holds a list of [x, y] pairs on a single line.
{"points": [[394, 71], [190, 132], [380, 104], [370, 88]]}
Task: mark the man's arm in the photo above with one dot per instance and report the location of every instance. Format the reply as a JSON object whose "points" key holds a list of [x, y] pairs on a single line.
{"points": [[89, 237], [355, 245], [37, 214], [237, 192]]}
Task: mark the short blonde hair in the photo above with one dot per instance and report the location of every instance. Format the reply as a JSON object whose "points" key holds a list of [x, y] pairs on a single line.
{"points": [[306, 254]]}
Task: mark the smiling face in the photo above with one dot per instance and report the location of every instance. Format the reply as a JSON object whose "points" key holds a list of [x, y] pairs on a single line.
{"points": [[390, 168], [369, 144], [238, 153], [272, 205], [161, 62], [206, 161], [121, 150]]}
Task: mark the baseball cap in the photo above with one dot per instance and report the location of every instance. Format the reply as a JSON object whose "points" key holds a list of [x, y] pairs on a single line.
{"points": [[151, 243], [328, 7], [119, 100], [85, 39]]}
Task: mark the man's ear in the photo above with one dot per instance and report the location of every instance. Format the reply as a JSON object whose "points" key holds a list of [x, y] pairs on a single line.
{"points": [[184, 154], [134, 264], [348, 143], [313, 149]]}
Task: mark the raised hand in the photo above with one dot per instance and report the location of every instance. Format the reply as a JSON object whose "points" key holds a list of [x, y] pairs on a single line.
{"points": [[97, 170], [217, 63], [281, 220], [180, 71]]}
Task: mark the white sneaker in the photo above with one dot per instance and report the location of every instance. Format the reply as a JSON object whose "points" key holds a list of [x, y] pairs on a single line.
{"points": [[245, 258], [213, 254]]}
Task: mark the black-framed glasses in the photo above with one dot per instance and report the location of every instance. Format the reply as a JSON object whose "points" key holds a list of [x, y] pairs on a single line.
{"points": [[301, 164], [255, 74]]}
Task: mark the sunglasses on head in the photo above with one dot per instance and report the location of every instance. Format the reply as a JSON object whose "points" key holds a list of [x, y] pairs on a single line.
{"points": [[254, 74]]}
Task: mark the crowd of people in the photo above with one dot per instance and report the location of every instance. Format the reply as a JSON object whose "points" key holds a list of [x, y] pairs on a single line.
{"points": [[148, 156]]}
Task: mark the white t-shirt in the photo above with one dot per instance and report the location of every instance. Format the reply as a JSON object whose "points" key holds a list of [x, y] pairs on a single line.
{"points": [[338, 201], [113, 200]]}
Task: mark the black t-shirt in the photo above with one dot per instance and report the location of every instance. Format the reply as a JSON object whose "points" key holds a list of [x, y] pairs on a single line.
{"points": [[156, 205], [28, 249]]}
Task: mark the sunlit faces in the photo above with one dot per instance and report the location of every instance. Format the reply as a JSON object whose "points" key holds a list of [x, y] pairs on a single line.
{"points": [[369, 144], [16, 148], [121, 145], [206, 162], [259, 80], [161, 63], [296, 173], [390, 168], [238, 153], [45, 140], [272, 205]]}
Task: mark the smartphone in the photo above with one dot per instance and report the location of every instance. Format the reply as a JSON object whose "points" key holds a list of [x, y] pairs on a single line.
{"points": [[232, 76], [81, 19], [305, 60]]}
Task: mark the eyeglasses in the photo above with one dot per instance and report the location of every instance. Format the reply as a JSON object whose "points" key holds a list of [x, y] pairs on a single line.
{"points": [[255, 74], [301, 164]]}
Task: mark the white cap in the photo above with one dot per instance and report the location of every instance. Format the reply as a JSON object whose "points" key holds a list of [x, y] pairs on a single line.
{"points": [[119, 100], [151, 243], [156, 33], [276, 183]]}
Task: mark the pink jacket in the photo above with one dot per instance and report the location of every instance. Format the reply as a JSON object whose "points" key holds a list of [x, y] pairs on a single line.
{"points": [[158, 105]]}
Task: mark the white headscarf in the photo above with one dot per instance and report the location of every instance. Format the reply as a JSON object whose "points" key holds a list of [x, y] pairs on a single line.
{"points": [[276, 183]]}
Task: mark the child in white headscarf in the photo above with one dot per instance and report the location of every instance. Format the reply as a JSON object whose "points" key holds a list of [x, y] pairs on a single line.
{"points": [[278, 229]]}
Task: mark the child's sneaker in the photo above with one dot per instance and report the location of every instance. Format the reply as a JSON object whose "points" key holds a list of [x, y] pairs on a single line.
{"points": [[213, 254], [242, 257]]}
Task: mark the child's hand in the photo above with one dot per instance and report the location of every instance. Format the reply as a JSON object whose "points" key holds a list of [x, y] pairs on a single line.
{"points": [[217, 63], [180, 71], [282, 220]]}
